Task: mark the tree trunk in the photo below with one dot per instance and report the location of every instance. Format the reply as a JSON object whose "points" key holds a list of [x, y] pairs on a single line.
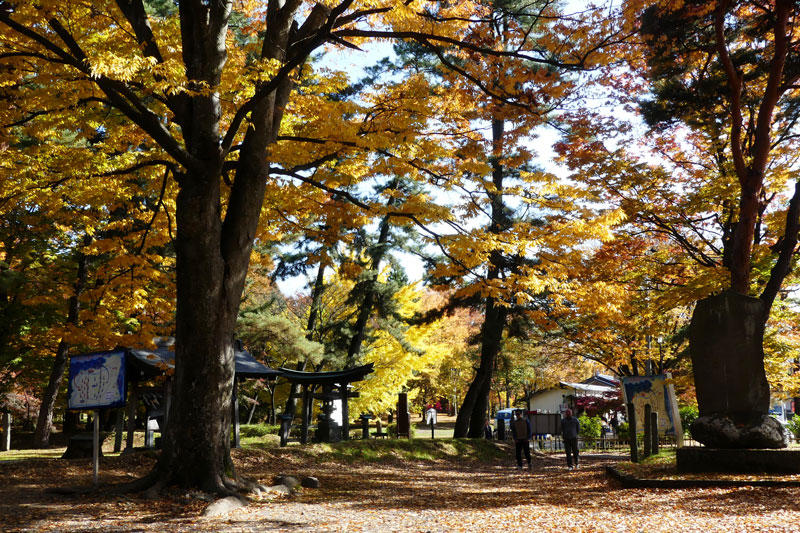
{"points": [[471, 416], [470, 420], [197, 449], [313, 315], [44, 423], [367, 304], [726, 344], [726, 338]]}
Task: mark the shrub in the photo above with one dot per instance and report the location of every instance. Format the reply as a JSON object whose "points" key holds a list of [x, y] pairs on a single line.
{"points": [[688, 414], [794, 426], [591, 428], [622, 430]]}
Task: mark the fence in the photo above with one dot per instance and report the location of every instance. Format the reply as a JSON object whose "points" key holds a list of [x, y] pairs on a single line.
{"points": [[622, 445]]}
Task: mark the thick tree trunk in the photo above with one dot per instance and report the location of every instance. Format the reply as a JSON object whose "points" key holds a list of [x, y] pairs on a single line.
{"points": [[213, 253], [44, 423], [197, 448], [726, 344]]}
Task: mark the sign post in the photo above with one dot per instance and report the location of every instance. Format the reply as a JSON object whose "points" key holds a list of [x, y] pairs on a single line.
{"points": [[96, 445]]}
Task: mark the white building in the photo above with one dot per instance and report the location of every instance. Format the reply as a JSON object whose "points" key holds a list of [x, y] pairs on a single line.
{"points": [[561, 397]]}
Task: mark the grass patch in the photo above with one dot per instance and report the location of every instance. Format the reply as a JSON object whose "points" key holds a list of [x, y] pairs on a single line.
{"points": [[389, 450], [20, 455], [664, 466], [260, 441], [258, 430], [663, 463]]}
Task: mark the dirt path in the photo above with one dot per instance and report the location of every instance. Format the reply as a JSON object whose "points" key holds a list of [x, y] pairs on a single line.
{"points": [[399, 496]]}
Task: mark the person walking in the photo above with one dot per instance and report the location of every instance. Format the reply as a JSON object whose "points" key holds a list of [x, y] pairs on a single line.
{"points": [[569, 432], [521, 431], [487, 430]]}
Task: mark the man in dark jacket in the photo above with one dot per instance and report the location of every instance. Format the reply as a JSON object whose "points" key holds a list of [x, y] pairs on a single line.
{"points": [[569, 431], [521, 431]]}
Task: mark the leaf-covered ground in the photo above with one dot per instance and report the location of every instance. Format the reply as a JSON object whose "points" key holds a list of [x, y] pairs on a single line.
{"points": [[393, 486]]}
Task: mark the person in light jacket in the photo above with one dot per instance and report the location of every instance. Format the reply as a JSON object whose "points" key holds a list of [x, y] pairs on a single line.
{"points": [[569, 431]]}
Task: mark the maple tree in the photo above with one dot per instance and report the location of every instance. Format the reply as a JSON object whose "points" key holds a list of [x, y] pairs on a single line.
{"points": [[211, 87], [627, 306], [86, 268]]}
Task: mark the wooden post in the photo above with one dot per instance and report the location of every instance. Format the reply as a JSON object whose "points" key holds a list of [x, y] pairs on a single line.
{"points": [[235, 404], [96, 446], [5, 445], [306, 415], [403, 422], [648, 437], [632, 433], [133, 401], [118, 428], [654, 431], [167, 404], [345, 412]]}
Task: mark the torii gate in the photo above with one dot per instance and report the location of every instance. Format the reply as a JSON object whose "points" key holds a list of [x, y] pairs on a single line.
{"points": [[334, 386]]}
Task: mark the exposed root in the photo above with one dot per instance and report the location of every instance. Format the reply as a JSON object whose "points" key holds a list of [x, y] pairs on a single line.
{"points": [[137, 485]]}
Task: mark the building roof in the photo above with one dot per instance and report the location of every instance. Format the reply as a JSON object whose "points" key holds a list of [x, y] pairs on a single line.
{"points": [[596, 390], [602, 379], [151, 363]]}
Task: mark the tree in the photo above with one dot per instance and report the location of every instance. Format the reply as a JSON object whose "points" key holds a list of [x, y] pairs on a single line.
{"points": [[209, 87], [85, 268], [512, 220], [627, 307], [727, 72]]}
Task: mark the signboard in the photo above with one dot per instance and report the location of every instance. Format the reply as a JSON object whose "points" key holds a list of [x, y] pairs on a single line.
{"points": [[96, 380], [660, 394], [545, 424]]}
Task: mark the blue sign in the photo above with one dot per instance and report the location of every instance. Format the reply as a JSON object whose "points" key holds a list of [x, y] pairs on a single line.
{"points": [[96, 380]]}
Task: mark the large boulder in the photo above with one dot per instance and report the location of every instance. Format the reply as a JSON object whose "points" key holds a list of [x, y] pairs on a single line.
{"points": [[719, 431]]}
